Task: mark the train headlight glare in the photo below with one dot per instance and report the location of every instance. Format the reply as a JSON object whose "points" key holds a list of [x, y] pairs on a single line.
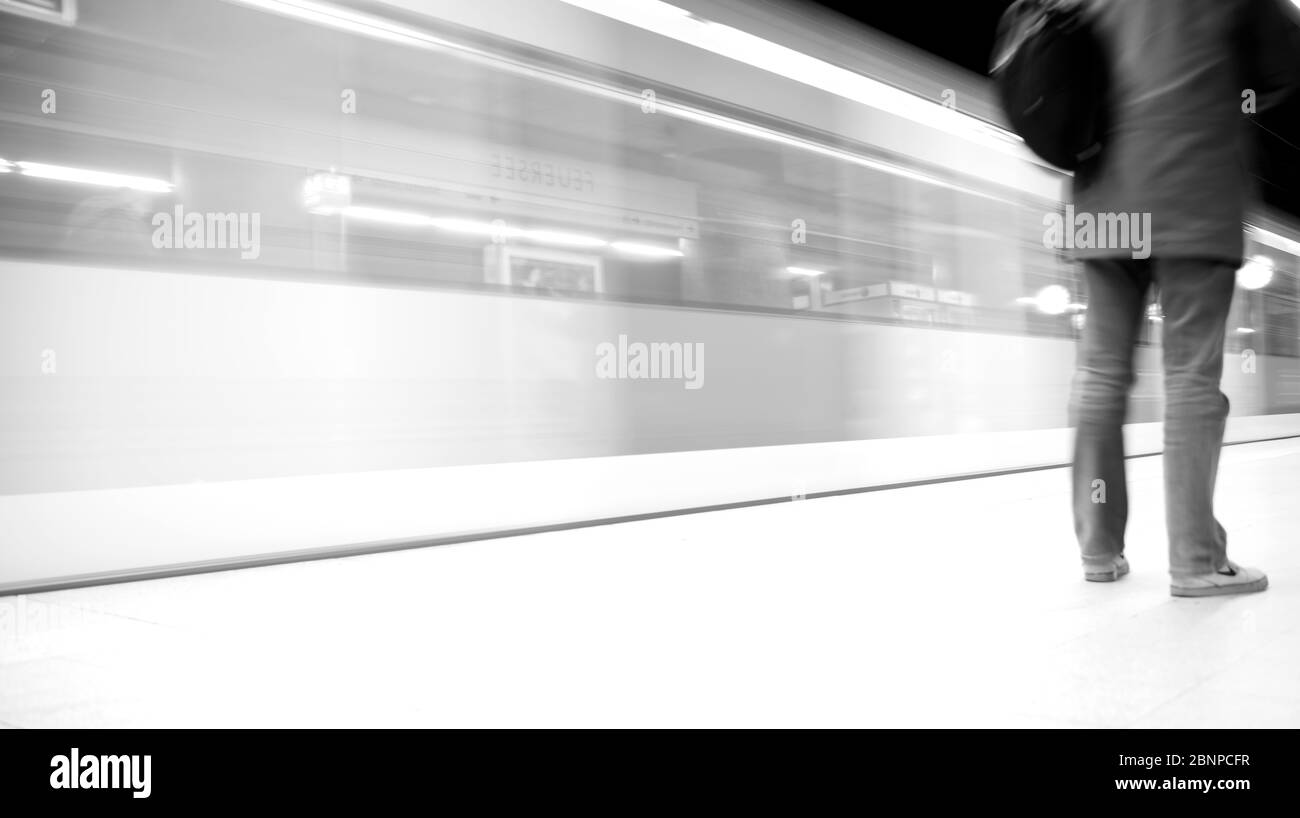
{"points": [[1257, 272], [1053, 299]]}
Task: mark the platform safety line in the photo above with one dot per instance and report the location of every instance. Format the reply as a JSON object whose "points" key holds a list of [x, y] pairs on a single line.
{"points": [[405, 544]]}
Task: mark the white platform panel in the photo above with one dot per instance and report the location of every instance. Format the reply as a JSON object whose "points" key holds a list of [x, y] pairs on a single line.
{"points": [[955, 604]]}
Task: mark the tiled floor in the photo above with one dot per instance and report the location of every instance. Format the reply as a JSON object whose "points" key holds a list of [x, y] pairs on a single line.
{"points": [[959, 604]]}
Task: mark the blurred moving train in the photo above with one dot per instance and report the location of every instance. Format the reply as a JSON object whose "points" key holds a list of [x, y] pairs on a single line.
{"points": [[287, 278]]}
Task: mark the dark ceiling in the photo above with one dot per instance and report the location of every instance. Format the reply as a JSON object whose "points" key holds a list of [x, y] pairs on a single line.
{"points": [[962, 32]]}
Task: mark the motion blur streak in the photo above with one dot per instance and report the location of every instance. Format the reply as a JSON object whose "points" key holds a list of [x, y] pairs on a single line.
{"points": [[671, 21], [93, 177], [880, 96]]}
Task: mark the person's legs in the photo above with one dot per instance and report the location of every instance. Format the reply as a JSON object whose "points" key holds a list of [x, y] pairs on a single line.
{"points": [[1196, 295], [1099, 398]]}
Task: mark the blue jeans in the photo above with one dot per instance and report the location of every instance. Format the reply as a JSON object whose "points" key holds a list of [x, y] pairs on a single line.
{"points": [[1195, 295]]}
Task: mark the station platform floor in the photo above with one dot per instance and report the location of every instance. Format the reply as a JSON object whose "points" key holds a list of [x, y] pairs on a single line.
{"points": [[957, 604]]}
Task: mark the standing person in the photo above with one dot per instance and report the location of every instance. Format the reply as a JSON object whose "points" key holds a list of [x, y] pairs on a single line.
{"points": [[1177, 152]]}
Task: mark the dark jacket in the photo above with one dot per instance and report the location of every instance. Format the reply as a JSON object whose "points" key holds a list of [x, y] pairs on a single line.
{"points": [[1180, 146]]}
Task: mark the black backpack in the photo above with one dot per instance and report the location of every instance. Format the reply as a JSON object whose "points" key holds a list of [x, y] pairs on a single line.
{"points": [[1052, 79]]}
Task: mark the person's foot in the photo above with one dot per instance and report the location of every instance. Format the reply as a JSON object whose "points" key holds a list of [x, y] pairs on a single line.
{"points": [[1230, 579], [1107, 571]]}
